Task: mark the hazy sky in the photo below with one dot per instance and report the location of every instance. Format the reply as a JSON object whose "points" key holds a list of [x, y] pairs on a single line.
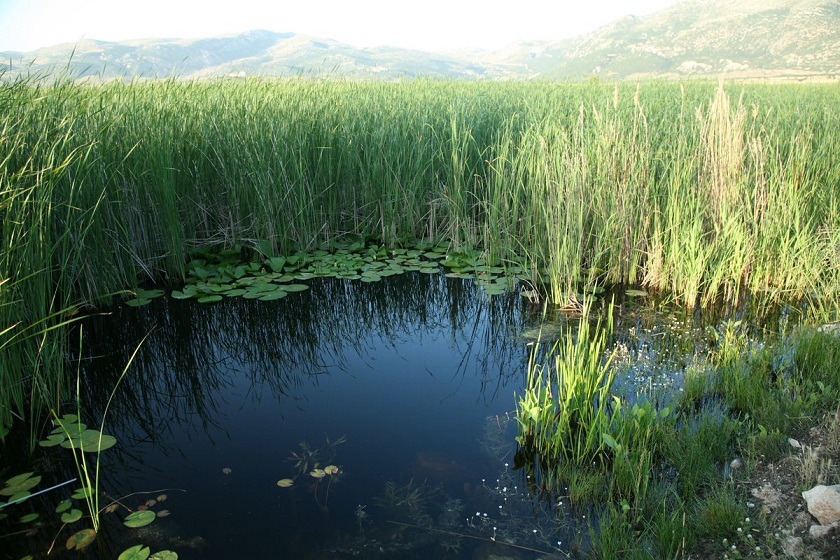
{"points": [[425, 24]]}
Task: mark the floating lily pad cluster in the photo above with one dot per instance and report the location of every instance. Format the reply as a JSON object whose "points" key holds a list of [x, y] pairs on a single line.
{"points": [[211, 277], [71, 433]]}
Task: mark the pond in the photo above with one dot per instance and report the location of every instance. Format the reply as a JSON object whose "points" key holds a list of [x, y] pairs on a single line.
{"points": [[369, 420]]}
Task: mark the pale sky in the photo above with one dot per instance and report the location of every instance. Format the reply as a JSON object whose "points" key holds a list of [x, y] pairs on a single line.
{"points": [[423, 24]]}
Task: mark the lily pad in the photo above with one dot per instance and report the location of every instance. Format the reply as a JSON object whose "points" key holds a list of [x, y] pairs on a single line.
{"points": [[331, 470], [63, 506], [164, 555], [29, 518], [318, 473], [635, 293], [227, 470], [139, 518], [20, 483], [136, 552], [210, 299], [81, 493], [52, 440], [285, 482], [81, 539], [71, 516], [272, 296], [91, 441]]}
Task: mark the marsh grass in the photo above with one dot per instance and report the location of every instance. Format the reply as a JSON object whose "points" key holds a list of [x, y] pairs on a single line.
{"points": [[707, 192], [566, 406]]}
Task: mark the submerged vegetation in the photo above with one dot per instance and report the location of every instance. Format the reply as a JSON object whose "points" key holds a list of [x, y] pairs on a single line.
{"points": [[706, 192]]}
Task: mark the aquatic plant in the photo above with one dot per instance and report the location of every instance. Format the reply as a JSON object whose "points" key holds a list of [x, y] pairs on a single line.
{"points": [[566, 406]]}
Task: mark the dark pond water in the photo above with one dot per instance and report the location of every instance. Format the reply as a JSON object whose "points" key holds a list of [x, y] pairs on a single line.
{"points": [[407, 386]]}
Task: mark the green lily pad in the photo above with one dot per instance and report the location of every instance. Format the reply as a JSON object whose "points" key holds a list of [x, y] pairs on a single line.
{"points": [[235, 292], [81, 493], [285, 482], [136, 552], [81, 539], [138, 302], [19, 497], [52, 440], [495, 289], [139, 518], [29, 518], [91, 441], [635, 293], [164, 555], [71, 516], [295, 287], [63, 506], [20, 483], [210, 299], [272, 296]]}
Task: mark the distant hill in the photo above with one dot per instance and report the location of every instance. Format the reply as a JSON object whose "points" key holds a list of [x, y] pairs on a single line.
{"points": [[750, 39]]}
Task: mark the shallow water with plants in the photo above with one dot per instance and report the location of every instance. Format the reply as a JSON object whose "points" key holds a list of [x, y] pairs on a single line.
{"points": [[341, 313], [350, 419]]}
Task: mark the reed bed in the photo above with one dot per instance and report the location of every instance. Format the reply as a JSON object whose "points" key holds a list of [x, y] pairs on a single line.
{"points": [[702, 190]]}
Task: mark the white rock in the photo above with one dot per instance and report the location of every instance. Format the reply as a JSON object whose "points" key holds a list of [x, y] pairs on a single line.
{"points": [[794, 443], [824, 503], [819, 531]]}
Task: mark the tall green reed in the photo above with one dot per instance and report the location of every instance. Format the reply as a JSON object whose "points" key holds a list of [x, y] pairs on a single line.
{"points": [[688, 189]]}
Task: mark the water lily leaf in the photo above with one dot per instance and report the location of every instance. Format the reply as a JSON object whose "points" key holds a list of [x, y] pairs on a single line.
{"points": [[635, 293], [227, 470], [162, 498], [178, 294], [91, 441], [19, 483], [495, 289], [71, 516], [19, 497], [29, 518], [63, 506], [52, 440], [318, 473], [136, 552], [428, 270], [137, 302], [331, 470], [163, 513], [285, 482], [147, 294], [69, 423], [164, 555], [81, 493], [81, 539], [272, 296], [235, 292], [210, 299], [139, 518]]}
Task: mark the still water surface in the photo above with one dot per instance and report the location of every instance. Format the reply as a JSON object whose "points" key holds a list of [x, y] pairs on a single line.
{"points": [[407, 386]]}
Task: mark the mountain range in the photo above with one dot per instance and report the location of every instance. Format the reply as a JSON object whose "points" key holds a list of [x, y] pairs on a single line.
{"points": [[735, 39]]}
